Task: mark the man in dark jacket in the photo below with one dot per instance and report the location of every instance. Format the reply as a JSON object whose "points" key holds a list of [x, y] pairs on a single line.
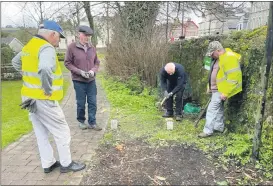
{"points": [[81, 59], [172, 80]]}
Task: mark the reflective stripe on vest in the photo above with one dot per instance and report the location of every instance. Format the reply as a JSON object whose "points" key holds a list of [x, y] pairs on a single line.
{"points": [[28, 85], [34, 74], [226, 73]]}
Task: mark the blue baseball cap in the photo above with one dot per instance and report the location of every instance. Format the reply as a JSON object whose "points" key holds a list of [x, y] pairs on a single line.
{"points": [[52, 25]]}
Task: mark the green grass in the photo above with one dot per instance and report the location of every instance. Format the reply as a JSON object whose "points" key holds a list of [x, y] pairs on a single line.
{"points": [[101, 55], [139, 119], [64, 69], [15, 122]]}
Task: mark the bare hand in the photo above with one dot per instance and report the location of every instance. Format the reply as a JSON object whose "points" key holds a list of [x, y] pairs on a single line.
{"points": [[223, 97], [208, 91], [47, 95], [91, 73]]}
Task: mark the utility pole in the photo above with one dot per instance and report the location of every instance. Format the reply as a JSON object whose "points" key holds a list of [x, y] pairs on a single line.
{"points": [[266, 65]]}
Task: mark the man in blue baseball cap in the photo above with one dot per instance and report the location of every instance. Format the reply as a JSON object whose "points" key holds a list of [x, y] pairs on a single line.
{"points": [[54, 37], [41, 91]]}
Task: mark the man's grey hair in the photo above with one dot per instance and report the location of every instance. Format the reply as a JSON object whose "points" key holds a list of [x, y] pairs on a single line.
{"points": [[43, 31]]}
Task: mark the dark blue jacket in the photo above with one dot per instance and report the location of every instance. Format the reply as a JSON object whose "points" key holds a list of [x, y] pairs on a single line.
{"points": [[178, 79]]}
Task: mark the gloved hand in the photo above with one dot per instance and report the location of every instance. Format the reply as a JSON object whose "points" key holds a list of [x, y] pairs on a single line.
{"points": [[166, 93], [91, 73], [169, 95], [32, 108], [85, 74], [30, 105]]}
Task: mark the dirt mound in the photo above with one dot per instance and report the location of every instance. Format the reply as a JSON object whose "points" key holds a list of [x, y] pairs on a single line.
{"points": [[138, 163]]}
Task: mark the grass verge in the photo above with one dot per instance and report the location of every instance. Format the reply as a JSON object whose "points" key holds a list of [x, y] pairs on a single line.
{"points": [[15, 122]]}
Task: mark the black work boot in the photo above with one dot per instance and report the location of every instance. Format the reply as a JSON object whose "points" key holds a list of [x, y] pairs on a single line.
{"points": [[73, 167], [167, 114], [52, 167]]}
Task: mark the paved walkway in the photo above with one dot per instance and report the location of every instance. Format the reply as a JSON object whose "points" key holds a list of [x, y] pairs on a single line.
{"points": [[21, 162]]}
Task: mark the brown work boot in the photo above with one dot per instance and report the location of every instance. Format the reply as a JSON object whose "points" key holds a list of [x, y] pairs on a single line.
{"points": [[204, 135]]}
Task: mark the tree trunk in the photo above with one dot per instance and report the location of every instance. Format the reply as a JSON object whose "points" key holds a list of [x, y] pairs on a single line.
{"points": [[264, 83], [183, 20], [107, 17], [86, 5], [167, 24], [41, 13], [78, 14]]}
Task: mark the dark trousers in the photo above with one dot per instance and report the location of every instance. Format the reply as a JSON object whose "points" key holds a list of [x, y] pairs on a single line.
{"points": [[86, 91], [178, 100]]}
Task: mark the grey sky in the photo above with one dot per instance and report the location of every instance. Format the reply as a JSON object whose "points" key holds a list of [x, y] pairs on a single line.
{"points": [[12, 14]]}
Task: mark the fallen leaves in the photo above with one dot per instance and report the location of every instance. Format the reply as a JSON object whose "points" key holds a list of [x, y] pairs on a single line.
{"points": [[120, 147], [160, 178]]}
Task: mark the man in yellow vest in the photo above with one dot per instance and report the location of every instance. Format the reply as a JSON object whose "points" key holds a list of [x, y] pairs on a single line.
{"points": [[41, 91], [225, 80]]}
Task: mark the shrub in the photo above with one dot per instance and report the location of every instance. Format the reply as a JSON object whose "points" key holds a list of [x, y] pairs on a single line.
{"points": [[61, 56], [6, 55]]}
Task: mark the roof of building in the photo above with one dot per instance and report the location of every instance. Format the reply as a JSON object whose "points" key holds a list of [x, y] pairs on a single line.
{"points": [[6, 40], [188, 22]]}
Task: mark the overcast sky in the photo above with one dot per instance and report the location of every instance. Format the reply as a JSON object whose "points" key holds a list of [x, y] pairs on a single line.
{"points": [[12, 14]]}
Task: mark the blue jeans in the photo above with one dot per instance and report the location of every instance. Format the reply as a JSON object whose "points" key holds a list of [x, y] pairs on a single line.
{"points": [[86, 90]]}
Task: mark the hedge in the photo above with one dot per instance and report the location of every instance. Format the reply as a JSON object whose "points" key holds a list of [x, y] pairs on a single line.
{"points": [[240, 110]]}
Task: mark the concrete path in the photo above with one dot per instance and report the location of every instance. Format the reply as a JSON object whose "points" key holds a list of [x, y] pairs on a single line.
{"points": [[20, 161]]}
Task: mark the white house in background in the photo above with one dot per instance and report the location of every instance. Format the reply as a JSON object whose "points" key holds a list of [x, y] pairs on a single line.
{"points": [[242, 24], [63, 44], [258, 15], [13, 43], [210, 25], [102, 40]]}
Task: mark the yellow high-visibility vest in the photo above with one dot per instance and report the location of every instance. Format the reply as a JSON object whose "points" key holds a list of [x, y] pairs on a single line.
{"points": [[229, 76], [32, 85]]}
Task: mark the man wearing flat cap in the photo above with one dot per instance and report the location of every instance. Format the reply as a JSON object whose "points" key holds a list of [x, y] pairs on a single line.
{"points": [[225, 80], [41, 91], [81, 59]]}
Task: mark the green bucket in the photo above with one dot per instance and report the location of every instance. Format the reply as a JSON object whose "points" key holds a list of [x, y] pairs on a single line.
{"points": [[190, 108]]}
